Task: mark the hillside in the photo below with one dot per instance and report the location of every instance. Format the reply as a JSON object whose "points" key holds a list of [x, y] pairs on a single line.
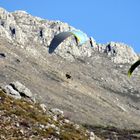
{"points": [[99, 93], [21, 119]]}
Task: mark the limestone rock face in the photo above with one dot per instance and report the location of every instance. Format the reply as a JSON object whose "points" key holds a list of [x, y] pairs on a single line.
{"points": [[119, 53], [123, 53], [21, 28]]}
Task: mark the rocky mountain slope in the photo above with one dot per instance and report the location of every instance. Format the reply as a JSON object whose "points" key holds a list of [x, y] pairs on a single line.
{"points": [[98, 91], [25, 119], [21, 119]]}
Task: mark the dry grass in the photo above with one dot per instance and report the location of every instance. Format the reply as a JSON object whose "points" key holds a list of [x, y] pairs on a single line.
{"points": [[22, 119]]}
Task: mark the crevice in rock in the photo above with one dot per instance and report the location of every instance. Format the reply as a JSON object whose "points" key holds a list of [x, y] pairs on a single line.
{"points": [[2, 55]]}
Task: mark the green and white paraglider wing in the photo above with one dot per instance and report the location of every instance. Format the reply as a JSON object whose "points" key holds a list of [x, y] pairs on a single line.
{"points": [[133, 67], [80, 36]]}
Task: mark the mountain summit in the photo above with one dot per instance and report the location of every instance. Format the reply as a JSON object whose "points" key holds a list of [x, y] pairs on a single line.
{"points": [[90, 84]]}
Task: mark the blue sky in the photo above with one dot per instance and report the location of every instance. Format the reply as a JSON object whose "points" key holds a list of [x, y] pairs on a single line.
{"points": [[104, 20]]}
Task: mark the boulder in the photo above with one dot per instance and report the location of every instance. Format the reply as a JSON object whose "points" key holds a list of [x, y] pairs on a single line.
{"points": [[18, 91], [25, 92], [8, 89], [57, 112]]}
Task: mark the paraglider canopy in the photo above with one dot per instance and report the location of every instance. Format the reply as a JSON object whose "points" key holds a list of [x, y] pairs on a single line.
{"points": [[133, 67], [82, 37], [79, 35]]}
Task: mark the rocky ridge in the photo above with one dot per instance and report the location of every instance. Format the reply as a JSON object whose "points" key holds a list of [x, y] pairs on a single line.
{"points": [[21, 28]]}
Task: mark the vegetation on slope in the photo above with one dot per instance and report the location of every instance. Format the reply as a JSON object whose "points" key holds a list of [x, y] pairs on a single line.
{"points": [[22, 119]]}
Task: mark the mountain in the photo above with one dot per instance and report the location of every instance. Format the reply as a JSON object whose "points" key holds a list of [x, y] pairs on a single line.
{"points": [[98, 91]]}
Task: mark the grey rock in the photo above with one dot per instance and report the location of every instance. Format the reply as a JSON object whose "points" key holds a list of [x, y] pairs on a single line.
{"points": [[43, 106], [67, 121], [120, 53], [11, 92], [92, 136], [57, 112], [21, 89]]}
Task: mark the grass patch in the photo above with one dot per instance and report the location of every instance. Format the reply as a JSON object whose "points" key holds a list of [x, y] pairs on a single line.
{"points": [[22, 119]]}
